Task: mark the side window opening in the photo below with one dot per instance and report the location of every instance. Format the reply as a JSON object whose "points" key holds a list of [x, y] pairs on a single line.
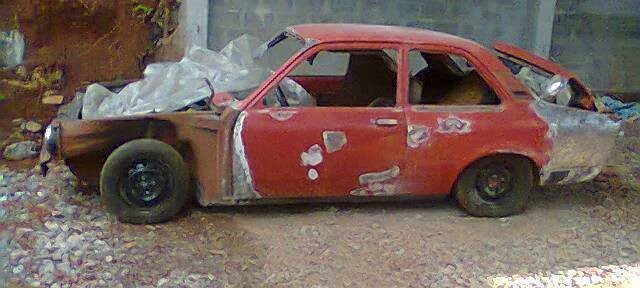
{"points": [[341, 78], [324, 63], [447, 79]]}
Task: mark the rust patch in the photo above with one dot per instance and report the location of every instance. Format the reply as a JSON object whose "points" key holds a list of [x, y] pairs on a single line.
{"points": [[417, 135], [453, 125], [334, 140]]}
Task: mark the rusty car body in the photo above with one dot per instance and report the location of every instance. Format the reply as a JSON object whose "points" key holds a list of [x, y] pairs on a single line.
{"points": [[253, 151]]}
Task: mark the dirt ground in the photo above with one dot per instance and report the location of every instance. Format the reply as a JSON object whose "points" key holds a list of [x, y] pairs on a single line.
{"points": [[72, 43], [55, 234]]}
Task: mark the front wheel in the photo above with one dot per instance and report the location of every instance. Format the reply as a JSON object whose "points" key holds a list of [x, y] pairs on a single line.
{"points": [[496, 186], [144, 181]]}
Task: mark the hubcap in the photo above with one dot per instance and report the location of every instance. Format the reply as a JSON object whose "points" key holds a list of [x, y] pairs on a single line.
{"points": [[493, 182], [145, 183]]}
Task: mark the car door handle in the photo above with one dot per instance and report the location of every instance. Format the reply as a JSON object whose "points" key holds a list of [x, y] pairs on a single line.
{"points": [[386, 122]]}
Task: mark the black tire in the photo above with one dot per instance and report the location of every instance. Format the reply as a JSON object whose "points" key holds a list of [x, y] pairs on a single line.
{"points": [[481, 194], [144, 181]]}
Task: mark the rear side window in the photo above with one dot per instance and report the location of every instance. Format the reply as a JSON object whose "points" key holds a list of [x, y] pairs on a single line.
{"points": [[447, 80]]}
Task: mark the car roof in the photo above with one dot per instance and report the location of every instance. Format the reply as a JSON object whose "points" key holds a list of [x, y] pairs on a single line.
{"points": [[379, 33]]}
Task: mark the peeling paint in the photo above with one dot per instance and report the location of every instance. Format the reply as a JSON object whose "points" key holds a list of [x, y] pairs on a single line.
{"points": [[281, 115], [242, 181], [417, 135], [311, 157], [368, 178], [377, 190], [313, 174], [582, 141], [373, 184], [454, 125], [334, 140]]}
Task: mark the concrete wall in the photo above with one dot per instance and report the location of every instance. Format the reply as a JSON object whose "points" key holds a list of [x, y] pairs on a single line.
{"points": [[596, 38], [481, 20], [600, 40]]}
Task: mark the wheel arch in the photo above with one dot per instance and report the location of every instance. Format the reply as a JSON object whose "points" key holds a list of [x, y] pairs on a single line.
{"points": [[97, 139], [535, 166]]}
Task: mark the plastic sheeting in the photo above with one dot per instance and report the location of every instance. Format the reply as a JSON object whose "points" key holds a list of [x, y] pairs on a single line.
{"points": [[11, 48], [628, 111], [171, 86]]}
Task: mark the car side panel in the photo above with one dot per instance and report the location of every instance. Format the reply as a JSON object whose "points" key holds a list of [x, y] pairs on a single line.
{"points": [[202, 138], [455, 137]]}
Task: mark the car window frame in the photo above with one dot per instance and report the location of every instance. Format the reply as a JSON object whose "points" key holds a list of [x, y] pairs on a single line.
{"points": [[257, 99], [483, 71]]}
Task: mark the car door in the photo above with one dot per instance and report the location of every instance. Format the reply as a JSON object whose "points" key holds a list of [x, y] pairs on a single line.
{"points": [[457, 118], [325, 151]]}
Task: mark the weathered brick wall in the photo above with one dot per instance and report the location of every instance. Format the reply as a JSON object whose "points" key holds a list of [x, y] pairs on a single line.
{"points": [[600, 40], [481, 20]]}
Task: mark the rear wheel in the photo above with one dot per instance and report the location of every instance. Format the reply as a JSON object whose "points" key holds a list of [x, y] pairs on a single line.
{"points": [[144, 181], [496, 186]]}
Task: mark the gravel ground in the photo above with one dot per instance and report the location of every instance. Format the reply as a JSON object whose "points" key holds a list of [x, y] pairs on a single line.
{"points": [[53, 234]]}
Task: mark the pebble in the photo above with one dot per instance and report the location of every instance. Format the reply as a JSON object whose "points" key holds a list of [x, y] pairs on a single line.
{"points": [[50, 225], [59, 238], [32, 126], [18, 269], [21, 150]]}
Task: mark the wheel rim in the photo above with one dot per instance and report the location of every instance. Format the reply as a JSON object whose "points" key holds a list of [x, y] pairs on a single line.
{"points": [[145, 183], [494, 182]]}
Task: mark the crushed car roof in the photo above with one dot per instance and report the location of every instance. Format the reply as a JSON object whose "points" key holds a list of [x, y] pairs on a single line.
{"points": [[363, 33]]}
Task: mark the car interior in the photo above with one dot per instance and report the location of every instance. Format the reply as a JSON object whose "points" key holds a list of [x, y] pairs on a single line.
{"points": [[449, 80], [368, 78]]}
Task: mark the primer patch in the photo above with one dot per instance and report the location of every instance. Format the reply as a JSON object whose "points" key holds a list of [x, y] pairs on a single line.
{"points": [[313, 174], [281, 115], [242, 180], [370, 178], [453, 125], [417, 135], [312, 157], [375, 190], [334, 140]]}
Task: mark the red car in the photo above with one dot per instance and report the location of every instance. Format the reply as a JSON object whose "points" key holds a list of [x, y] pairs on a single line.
{"points": [[354, 112]]}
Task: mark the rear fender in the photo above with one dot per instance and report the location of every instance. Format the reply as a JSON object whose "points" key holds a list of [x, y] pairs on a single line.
{"points": [[581, 141]]}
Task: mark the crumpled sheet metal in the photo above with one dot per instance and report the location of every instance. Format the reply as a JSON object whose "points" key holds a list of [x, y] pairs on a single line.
{"points": [[11, 48], [580, 139], [171, 86]]}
